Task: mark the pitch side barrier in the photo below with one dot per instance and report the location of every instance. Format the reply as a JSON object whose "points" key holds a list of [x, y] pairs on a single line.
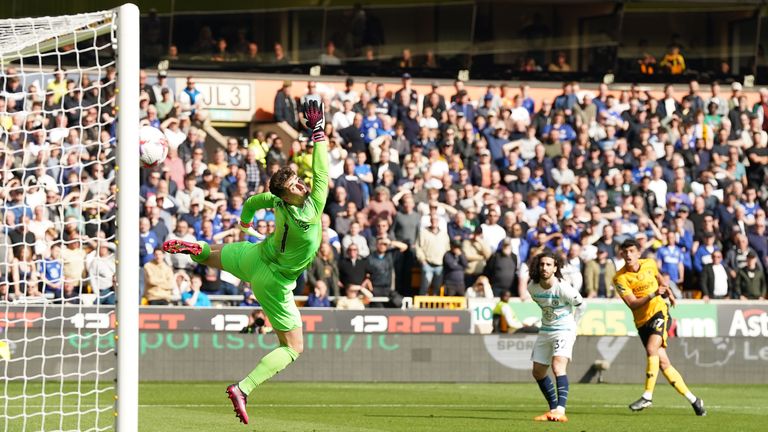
{"points": [[177, 343], [188, 355]]}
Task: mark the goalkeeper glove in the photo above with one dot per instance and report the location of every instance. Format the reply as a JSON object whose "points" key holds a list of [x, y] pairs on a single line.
{"points": [[247, 228], [314, 112]]}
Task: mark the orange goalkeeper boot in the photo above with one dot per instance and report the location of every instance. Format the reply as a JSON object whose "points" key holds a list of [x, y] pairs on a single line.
{"points": [[543, 417], [555, 416]]}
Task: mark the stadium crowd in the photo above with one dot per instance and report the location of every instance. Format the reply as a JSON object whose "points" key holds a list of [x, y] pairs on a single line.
{"points": [[431, 193]]}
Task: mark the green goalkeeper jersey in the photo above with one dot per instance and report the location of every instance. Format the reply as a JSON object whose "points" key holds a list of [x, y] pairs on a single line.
{"points": [[298, 230]]}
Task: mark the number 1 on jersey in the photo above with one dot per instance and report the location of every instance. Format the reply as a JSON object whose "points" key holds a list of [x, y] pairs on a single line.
{"points": [[285, 238]]}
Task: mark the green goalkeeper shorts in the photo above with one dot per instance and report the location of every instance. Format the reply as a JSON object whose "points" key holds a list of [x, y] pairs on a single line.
{"points": [[273, 291]]}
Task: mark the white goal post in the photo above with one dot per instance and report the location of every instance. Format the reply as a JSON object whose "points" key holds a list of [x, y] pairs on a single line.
{"points": [[127, 410], [69, 345]]}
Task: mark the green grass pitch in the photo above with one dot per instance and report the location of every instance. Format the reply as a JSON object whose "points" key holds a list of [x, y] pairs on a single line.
{"points": [[290, 407]]}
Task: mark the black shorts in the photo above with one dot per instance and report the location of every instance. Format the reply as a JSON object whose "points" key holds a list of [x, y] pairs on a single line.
{"points": [[658, 324]]}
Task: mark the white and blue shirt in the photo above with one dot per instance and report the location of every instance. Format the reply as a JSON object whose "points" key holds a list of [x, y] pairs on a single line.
{"points": [[559, 306]]}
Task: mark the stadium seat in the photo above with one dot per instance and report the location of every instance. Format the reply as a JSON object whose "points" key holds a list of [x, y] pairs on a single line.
{"points": [[439, 302]]}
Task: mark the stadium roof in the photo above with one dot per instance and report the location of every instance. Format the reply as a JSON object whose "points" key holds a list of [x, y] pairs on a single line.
{"points": [[21, 8]]}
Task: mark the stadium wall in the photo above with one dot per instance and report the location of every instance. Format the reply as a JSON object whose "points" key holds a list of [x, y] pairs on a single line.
{"points": [[239, 97], [215, 356], [719, 342]]}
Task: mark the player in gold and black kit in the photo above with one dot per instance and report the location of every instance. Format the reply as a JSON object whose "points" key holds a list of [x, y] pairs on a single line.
{"points": [[641, 287]]}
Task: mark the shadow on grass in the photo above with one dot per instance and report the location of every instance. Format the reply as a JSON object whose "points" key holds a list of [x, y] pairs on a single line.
{"points": [[571, 412], [432, 416]]}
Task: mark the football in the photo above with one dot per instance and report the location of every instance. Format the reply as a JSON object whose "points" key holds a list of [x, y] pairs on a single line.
{"points": [[153, 147]]}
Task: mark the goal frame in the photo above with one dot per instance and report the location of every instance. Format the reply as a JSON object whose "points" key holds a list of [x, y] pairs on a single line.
{"points": [[127, 254]]}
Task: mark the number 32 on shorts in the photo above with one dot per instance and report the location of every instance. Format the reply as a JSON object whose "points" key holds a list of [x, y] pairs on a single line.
{"points": [[559, 343]]}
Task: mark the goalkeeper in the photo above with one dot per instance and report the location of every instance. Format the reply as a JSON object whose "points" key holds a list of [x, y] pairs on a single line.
{"points": [[273, 265]]}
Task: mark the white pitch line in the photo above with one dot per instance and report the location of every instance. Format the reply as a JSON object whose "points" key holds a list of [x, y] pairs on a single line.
{"points": [[444, 406]]}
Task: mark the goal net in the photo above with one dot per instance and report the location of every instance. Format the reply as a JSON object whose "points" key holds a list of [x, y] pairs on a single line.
{"points": [[62, 353]]}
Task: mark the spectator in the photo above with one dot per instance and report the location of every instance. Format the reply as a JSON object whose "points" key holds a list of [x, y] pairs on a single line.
{"points": [[190, 291], [24, 274], [252, 54], [457, 227], [355, 238], [279, 58], [319, 296], [356, 191], [348, 94], [345, 117], [432, 245], [73, 259], [673, 62], [714, 279], [737, 256], [353, 299], [189, 98], [671, 258], [464, 106], [407, 223], [158, 91], [222, 54], [257, 323], [160, 284], [480, 289], [69, 294], [380, 266], [58, 85], [477, 254], [481, 173], [386, 169], [329, 58], [148, 241], [501, 269], [50, 270], [560, 65], [455, 265], [598, 276], [285, 106], [353, 136], [750, 280], [703, 254], [249, 300], [352, 268], [406, 59], [324, 268], [574, 267], [101, 266], [759, 241], [339, 208], [4, 292], [381, 206], [647, 63], [493, 233]]}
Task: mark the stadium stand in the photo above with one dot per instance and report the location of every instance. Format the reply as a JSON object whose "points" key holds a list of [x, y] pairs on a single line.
{"points": [[502, 168], [682, 171]]}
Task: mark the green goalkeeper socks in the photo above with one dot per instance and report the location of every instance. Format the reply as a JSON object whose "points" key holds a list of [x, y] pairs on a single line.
{"points": [[202, 256], [269, 365]]}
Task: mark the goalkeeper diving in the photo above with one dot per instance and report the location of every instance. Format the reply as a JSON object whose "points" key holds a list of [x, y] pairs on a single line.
{"points": [[272, 266]]}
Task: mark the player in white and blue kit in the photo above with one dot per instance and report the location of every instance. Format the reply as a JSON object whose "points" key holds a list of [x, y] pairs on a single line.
{"points": [[561, 306]]}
